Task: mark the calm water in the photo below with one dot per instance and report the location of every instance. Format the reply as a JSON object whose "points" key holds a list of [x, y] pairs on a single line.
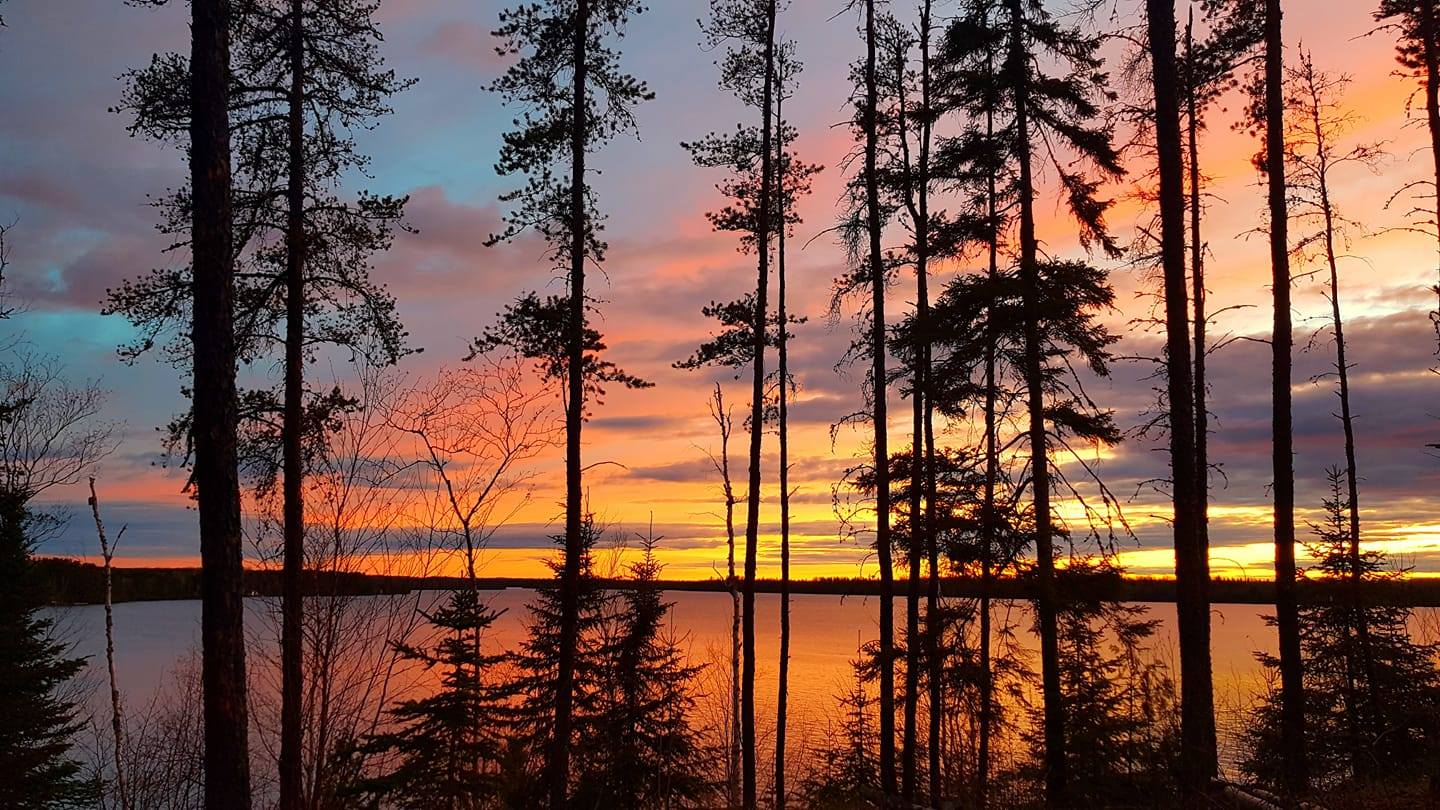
{"points": [[153, 638]]}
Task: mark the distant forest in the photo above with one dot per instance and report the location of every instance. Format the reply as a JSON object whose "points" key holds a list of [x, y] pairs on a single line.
{"points": [[985, 137]]}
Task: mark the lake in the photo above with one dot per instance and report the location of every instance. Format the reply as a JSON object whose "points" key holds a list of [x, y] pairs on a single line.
{"points": [[153, 638]]}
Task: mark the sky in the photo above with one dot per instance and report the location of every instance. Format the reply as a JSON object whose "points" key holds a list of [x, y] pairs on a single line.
{"points": [[76, 187]]}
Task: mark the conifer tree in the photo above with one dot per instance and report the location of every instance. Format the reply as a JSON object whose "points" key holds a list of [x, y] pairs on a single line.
{"points": [[1363, 719], [1119, 703], [447, 746], [573, 97], [753, 154], [907, 119], [974, 162], [861, 228], [792, 180], [41, 720], [1054, 119], [846, 774], [640, 748], [307, 75]]}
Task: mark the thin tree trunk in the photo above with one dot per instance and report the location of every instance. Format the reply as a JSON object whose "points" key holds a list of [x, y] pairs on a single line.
{"points": [[879, 415], [732, 746], [1292, 713], [117, 722], [1352, 475], [782, 698], [574, 420], [757, 416], [1192, 566], [992, 473], [1046, 602], [926, 431], [292, 606], [1430, 55], [216, 477], [1199, 390], [1198, 293]]}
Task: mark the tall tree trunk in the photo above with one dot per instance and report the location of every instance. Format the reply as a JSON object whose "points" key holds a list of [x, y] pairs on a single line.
{"points": [[1292, 708], [1430, 55], [926, 426], [292, 606], [1198, 293], [216, 476], [917, 200], [1198, 390], [1047, 602], [757, 412], [879, 415], [782, 698], [117, 722], [574, 420], [989, 525], [1192, 565]]}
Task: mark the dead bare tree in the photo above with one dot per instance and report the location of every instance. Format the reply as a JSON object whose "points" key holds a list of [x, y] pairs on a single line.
{"points": [[117, 723], [725, 421]]}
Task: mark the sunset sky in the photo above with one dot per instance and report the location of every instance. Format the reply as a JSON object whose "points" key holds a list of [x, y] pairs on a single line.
{"points": [[75, 185]]}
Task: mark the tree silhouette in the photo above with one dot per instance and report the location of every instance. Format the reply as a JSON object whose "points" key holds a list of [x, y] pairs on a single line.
{"points": [[641, 749], [1267, 114], [36, 749], [1313, 153], [746, 29], [861, 227], [213, 340], [447, 745], [974, 161], [1057, 300], [1192, 565], [1371, 702], [1417, 45], [574, 97], [305, 78]]}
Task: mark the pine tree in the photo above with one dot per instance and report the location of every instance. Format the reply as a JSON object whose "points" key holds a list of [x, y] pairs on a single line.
{"points": [[1119, 703], [306, 76], [847, 774], [866, 212], [974, 162], [1036, 116], [447, 746], [1192, 564], [640, 748], [1364, 717], [574, 97], [1267, 115], [529, 764], [36, 744]]}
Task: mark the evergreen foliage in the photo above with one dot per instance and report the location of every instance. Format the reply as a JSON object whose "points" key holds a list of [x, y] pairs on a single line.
{"points": [[37, 754], [345, 88], [1371, 701], [448, 746]]}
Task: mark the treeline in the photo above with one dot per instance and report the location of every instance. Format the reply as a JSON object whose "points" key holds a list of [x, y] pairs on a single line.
{"points": [[65, 581]]}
